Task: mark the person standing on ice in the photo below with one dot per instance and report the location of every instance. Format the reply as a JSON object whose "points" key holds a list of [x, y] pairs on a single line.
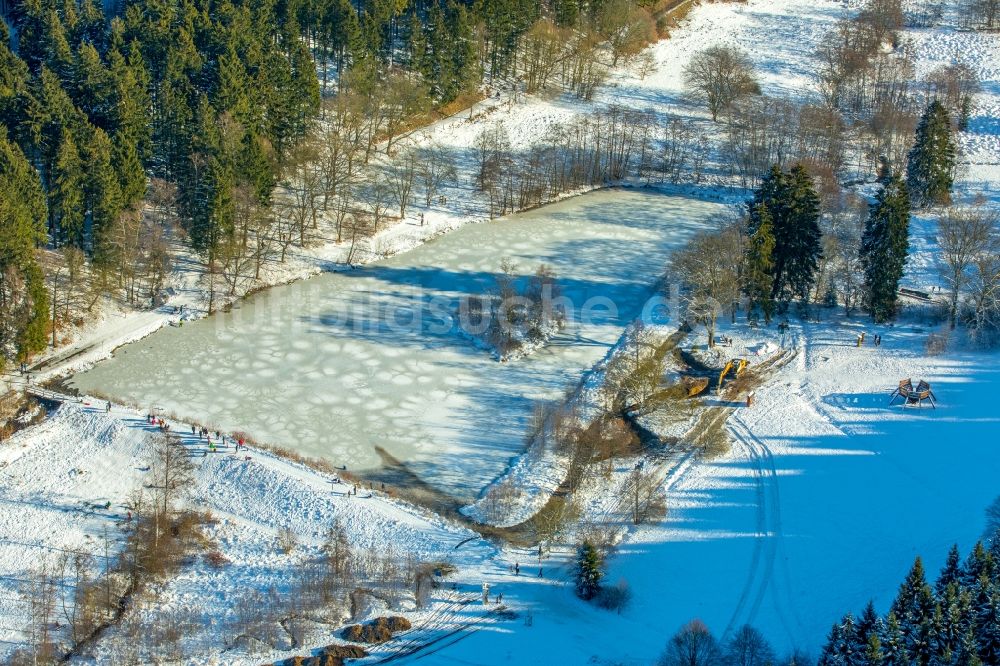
{"points": [[108, 407]]}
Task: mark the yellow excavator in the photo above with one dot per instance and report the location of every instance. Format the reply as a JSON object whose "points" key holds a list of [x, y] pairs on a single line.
{"points": [[736, 365]]}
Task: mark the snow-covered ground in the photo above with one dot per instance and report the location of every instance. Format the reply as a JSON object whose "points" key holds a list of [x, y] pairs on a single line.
{"points": [[57, 478], [827, 496]]}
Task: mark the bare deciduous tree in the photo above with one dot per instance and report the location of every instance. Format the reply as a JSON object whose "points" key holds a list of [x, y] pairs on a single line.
{"points": [[377, 198], [626, 27], [402, 174], [645, 500], [955, 86], [719, 76], [171, 470], [984, 295], [542, 48], [964, 234], [692, 645], [435, 169], [406, 97], [984, 13], [748, 647], [708, 270]]}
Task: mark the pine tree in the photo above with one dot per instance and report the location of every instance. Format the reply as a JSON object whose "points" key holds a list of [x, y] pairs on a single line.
{"points": [[950, 573], [129, 170], [884, 247], [844, 646], [93, 92], [103, 195], [255, 166], [588, 571], [793, 205], [956, 617], [914, 608], [988, 624], [931, 164], [23, 298], [968, 654], [758, 278], [66, 203], [874, 654], [31, 33], [830, 656], [567, 12], [893, 642], [134, 112], [868, 623], [802, 250], [14, 78], [59, 55], [978, 564], [464, 60], [231, 92]]}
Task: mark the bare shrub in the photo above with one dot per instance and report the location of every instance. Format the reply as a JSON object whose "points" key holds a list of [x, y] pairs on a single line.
{"points": [[379, 631], [216, 559], [615, 598], [936, 344], [287, 540]]}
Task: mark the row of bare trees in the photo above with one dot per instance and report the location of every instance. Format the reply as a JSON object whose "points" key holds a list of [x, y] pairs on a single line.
{"points": [[578, 60], [332, 190], [982, 14], [605, 146]]}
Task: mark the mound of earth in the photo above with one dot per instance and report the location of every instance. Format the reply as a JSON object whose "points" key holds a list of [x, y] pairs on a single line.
{"points": [[379, 631]]}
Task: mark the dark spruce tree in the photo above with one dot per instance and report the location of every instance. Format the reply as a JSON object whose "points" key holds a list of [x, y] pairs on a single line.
{"points": [[588, 571], [930, 169], [758, 278], [792, 203], [884, 246], [951, 573], [802, 250]]}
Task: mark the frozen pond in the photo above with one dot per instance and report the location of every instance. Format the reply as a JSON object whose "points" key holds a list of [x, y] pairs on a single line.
{"points": [[339, 364]]}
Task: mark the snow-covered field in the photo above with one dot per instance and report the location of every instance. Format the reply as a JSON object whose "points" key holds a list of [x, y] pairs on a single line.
{"points": [[824, 500]]}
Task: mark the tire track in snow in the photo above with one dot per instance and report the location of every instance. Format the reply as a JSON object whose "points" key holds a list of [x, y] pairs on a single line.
{"points": [[762, 576], [753, 573], [417, 639]]}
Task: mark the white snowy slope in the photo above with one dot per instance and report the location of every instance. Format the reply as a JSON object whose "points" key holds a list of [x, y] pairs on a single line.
{"points": [[57, 478]]}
